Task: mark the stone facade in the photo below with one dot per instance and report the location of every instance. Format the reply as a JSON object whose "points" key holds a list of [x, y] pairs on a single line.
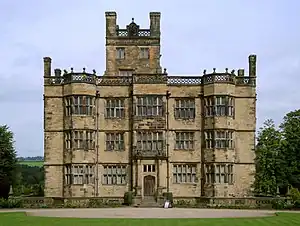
{"points": [[136, 128]]}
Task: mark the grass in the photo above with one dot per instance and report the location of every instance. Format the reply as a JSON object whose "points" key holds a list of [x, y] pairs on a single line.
{"points": [[20, 219], [32, 163]]}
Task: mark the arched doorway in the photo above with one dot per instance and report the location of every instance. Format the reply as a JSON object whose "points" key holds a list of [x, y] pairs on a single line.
{"points": [[149, 185]]}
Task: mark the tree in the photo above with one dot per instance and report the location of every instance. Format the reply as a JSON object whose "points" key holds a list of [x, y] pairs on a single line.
{"points": [[290, 150], [268, 173], [8, 160]]}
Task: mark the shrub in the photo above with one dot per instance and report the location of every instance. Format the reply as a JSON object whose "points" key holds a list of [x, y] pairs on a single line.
{"points": [[279, 204], [11, 203], [295, 196], [128, 198], [168, 196], [95, 203]]}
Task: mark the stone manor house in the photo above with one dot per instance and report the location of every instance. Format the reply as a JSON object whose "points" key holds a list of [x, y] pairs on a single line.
{"points": [[137, 128]]}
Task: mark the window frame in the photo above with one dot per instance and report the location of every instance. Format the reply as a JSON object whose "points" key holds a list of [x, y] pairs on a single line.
{"points": [[79, 140], [125, 73], [185, 109], [186, 171], [79, 105], [148, 141], [144, 53], [120, 53], [111, 178], [219, 173], [213, 139], [149, 106], [184, 141], [79, 174], [115, 108], [219, 106], [115, 140]]}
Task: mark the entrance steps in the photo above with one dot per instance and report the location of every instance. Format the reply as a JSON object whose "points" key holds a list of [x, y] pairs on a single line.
{"points": [[149, 201]]}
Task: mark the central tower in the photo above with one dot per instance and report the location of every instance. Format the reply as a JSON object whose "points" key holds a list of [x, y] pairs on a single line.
{"points": [[132, 50]]}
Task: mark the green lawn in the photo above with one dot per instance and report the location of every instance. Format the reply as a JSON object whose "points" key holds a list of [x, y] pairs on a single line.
{"points": [[20, 219], [32, 163]]}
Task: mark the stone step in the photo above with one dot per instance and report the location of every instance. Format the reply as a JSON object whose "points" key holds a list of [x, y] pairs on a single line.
{"points": [[149, 202]]}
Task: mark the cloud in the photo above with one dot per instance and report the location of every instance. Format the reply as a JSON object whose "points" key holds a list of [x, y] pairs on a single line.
{"points": [[196, 35]]}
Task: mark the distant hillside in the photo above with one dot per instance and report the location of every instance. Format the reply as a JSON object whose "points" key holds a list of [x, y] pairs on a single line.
{"points": [[35, 158], [32, 163]]}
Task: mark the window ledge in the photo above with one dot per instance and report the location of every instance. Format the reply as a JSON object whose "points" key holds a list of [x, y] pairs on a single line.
{"points": [[187, 183], [184, 149], [114, 150], [185, 119], [77, 115], [225, 184], [218, 116]]}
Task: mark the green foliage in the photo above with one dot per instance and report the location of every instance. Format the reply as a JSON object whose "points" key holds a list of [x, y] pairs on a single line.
{"points": [[295, 196], [29, 180], [290, 147], [280, 204], [11, 203], [168, 196], [32, 163], [128, 198], [8, 160], [268, 171]]}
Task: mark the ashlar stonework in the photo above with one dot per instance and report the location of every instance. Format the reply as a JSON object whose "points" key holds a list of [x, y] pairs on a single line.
{"points": [[136, 128]]}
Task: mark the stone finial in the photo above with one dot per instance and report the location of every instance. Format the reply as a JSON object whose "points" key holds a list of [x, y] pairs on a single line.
{"points": [[165, 70], [204, 72], [214, 70], [65, 71], [72, 70], [252, 65], [83, 70], [47, 66], [241, 72], [232, 72], [47, 59], [226, 70], [94, 71], [132, 20], [57, 72]]}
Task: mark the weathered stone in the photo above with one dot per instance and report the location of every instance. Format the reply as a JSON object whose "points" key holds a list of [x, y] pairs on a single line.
{"points": [[146, 81]]}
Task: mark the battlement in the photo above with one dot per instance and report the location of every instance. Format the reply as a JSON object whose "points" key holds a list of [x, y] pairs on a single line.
{"points": [[132, 30]]}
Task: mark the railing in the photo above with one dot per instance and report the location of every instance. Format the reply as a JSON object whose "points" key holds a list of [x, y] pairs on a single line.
{"points": [[72, 78], [218, 78], [192, 80], [141, 33], [150, 79]]}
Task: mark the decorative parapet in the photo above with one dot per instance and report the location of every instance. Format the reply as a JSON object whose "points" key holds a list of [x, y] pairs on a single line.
{"points": [[114, 80], [141, 33], [133, 30], [71, 77], [184, 80], [92, 78]]}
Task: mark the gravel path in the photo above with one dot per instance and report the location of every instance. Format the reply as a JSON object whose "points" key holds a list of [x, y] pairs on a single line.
{"points": [[146, 213]]}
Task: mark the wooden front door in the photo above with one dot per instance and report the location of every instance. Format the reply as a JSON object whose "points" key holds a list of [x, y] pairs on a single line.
{"points": [[149, 185]]}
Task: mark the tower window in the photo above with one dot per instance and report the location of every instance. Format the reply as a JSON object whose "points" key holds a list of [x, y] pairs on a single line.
{"points": [[120, 53], [125, 73], [144, 53]]}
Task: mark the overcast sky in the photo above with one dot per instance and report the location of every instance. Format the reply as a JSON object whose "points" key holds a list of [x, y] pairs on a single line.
{"points": [[196, 35]]}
